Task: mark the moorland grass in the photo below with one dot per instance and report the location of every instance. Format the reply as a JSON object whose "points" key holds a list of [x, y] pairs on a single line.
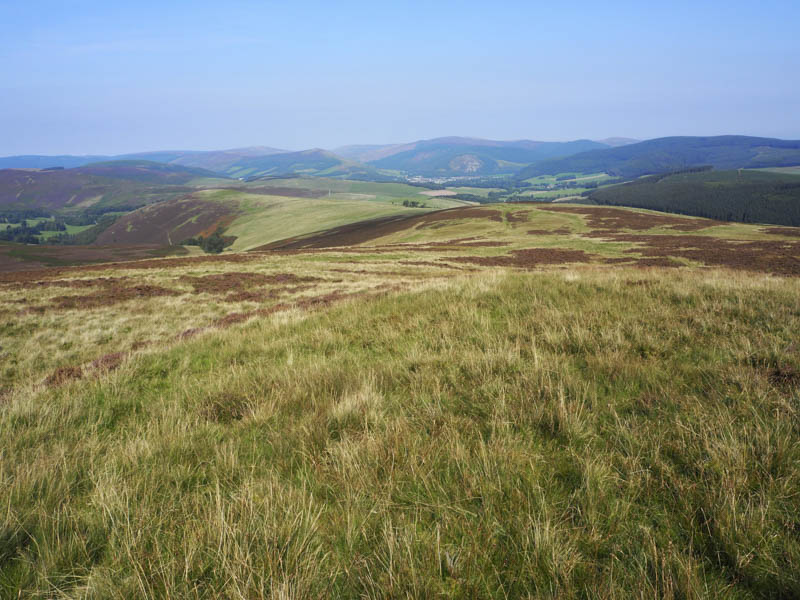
{"points": [[572, 434]]}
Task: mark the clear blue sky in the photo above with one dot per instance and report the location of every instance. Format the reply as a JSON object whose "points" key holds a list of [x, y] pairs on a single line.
{"points": [[85, 76]]}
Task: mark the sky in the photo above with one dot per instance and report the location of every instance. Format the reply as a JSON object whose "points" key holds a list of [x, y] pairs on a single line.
{"points": [[91, 77]]}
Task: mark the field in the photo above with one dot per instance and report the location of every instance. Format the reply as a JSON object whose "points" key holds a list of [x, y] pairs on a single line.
{"points": [[508, 401], [553, 179]]}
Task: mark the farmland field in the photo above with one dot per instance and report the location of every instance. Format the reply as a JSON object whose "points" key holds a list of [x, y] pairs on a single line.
{"points": [[506, 401]]}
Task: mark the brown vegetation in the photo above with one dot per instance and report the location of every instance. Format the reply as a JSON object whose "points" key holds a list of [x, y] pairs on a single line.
{"points": [[234, 281], [169, 223], [616, 219], [529, 258], [110, 295]]}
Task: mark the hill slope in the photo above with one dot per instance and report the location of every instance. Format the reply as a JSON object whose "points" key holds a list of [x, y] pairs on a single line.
{"points": [[316, 162], [145, 171], [218, 161], [466, 156], [674, 153], [266, 211], [745, 196], [71, 190]]}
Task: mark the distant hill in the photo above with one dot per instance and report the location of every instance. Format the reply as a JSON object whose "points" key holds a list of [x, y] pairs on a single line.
{"points": [[365, 152], [146, 171], [219, 161], [316, 162], [673, 153], [214, 160], [618, 141], [455, 156], [741, 195], [35, 161]]}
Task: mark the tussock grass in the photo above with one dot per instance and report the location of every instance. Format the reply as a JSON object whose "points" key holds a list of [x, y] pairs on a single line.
{"points": [[581, 433]]}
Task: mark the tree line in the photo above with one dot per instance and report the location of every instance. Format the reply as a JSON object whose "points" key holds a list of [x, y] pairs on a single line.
{"points": [[719, 195]]}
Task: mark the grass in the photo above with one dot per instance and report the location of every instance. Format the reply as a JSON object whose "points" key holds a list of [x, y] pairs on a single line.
{"points": [[555, 435], [71, 230], [267, 219], [553, 194], [37, 339], [570, 432]]}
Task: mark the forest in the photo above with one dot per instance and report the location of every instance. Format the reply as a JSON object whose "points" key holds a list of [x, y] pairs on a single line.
{"points": [[743, 196]]}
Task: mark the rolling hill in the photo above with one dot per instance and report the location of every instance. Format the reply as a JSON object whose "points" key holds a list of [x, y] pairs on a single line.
{"points": [[315, 162], [122, 184], [674, 153], [219, 161], [455, 156], [266, 211], [145, 171], [214, 160]]}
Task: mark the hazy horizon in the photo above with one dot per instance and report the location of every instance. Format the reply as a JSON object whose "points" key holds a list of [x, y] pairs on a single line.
{"points": [[91, 78]]}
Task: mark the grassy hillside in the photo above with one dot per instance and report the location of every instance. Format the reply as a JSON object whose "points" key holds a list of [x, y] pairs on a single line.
{"points": [[267, 211], [464, 156], [746, 196], [501, 402], [266, 219], [673, 153], [255, 214]]}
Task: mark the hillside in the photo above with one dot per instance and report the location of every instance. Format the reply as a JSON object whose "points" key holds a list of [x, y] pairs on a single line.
{"points": [[251, 214], [505, 402], [74, 190], [219, 161], [146, 171], [745, 196], [466, 156], [674, 153], [266, 211], [316, 162]]}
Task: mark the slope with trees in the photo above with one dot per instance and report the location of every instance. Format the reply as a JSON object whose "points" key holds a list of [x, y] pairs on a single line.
{"points": [[673, 153], [744, 196]]}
